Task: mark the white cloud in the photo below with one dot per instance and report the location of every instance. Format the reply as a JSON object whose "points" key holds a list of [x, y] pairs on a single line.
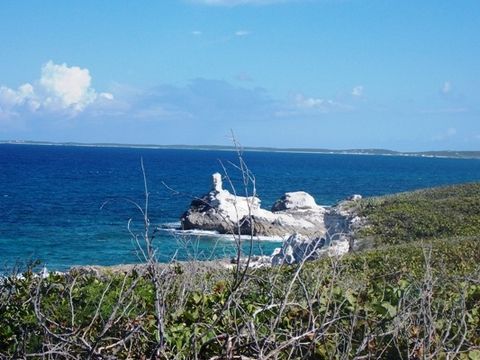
{"points": [[357, 91], [60, 88], [10, 97], [67, 87], [106, 96], [318, 104], [242, 33], [24, 96], [196, 33], [447, 87]]}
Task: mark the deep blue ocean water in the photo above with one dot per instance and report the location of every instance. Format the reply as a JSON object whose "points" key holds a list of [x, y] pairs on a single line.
{"points": [[51, 196]]}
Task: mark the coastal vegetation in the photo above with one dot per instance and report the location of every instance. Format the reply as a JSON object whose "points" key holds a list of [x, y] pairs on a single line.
{"points": [[414, 295], [425, 214]]}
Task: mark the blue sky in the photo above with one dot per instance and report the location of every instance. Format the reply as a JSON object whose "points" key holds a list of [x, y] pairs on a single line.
{"points": [[403, 75]]}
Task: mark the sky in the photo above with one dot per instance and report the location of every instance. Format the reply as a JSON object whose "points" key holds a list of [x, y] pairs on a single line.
{"points": [[340, 74]]}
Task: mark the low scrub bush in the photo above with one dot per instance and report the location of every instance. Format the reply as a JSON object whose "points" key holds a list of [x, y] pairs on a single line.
{"points": [[420, 300], [434, 213]]}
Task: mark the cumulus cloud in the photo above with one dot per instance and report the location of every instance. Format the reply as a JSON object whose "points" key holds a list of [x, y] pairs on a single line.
{"points": [[67, 87], [357, 91], [60, 88], [24, 95]]}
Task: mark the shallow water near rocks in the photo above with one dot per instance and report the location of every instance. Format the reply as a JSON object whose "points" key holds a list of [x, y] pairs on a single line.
{"points": [[51, 196]]}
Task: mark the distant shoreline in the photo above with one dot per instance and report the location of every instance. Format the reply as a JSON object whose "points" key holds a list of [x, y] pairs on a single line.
{"points": [[379, 152]]}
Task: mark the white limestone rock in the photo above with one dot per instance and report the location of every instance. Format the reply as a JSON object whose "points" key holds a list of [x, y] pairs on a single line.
{"points": [[217, 182], [219, 210], [310, 230], [296, 249], [298, 200]]}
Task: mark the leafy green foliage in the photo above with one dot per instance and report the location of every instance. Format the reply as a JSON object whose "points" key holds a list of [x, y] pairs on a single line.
{"points": [[425, 214], [370, 292]]}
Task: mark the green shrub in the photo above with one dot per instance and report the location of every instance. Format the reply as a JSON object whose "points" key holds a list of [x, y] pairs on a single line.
{"points": [[329, 306], [425, 214]]}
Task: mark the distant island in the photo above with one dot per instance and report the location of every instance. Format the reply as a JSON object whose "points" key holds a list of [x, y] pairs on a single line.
{"points": [[382, 152]]}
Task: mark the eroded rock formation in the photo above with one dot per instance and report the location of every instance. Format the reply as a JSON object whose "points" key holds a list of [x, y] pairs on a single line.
{"points": [[221, 211], [309, 230]]}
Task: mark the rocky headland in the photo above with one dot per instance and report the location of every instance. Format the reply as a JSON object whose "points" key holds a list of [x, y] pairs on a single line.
{"points": [[307, 229]]}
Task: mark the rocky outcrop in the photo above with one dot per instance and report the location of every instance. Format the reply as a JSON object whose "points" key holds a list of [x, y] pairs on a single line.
{"points": [[297, 201], [310, 230], [221, 211], [342, 222], [295, 249]]}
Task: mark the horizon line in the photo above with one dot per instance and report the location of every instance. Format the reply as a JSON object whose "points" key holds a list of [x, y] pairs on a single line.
{"points": [[348, 151]]}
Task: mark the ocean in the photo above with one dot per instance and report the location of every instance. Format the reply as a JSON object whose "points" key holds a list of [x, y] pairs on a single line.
{"points": [[51, 197]]}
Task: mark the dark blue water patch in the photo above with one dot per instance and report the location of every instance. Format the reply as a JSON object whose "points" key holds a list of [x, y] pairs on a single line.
{"points": [[51, 196]]}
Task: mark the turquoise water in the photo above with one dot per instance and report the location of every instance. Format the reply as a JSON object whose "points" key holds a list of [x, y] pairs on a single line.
{"points": [[51, 196]]}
